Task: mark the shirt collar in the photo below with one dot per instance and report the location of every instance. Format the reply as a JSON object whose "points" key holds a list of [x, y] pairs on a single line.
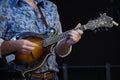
{"points": [[15, 2]]}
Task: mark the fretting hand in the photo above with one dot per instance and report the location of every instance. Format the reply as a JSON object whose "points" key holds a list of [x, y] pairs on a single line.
{"points": [[75, 35]]}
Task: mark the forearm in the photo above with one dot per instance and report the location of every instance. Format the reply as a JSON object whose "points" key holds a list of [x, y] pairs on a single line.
{"points": [[7, 47], [63, 48]]}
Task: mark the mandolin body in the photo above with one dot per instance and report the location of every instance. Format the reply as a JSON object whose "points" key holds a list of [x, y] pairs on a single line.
{"points": [[36, 59], [35, 55]]}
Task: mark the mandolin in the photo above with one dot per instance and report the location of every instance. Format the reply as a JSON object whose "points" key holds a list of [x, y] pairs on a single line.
{"points": [[46, 44]]}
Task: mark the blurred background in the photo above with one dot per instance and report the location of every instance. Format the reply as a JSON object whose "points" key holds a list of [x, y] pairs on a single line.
{"points": [[97, 55]]}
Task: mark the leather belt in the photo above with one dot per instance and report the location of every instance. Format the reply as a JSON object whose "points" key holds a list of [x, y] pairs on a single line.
{"points": [[45, 76]]}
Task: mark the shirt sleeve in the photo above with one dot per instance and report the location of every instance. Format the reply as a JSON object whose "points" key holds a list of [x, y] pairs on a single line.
{"points": [[1, 41], [4, 18], [3, 22]]}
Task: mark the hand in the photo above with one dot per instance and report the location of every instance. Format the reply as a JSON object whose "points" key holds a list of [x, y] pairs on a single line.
{"points": [[17, 46], [75, 35], [24, 46]]}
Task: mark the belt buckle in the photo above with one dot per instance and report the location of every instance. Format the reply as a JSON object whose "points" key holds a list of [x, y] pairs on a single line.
{"points": [[45, 75]]}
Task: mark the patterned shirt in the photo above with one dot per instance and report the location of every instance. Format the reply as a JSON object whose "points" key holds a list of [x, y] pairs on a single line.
{"points": [[16, 16]]}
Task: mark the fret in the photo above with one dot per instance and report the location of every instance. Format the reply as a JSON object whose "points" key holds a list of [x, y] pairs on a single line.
{"points": [[55, 39]]}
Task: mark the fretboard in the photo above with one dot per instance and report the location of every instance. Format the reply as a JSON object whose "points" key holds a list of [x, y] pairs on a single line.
{"points": [[54, 39]]}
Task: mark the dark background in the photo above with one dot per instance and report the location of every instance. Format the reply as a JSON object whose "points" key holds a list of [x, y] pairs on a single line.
{"points": [[97, 55], [95, 50]]}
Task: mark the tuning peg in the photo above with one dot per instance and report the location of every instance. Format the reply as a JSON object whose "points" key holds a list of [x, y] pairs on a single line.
{"points": [[101, 29], [95, 31], [106, 29], [115, 23]]}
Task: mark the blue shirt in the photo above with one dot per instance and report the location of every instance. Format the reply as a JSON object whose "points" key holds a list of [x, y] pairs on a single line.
{"points": [[16, 16]]}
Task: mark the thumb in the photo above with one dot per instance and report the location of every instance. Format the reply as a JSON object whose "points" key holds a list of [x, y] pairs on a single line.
{"points": [[78, 25]]}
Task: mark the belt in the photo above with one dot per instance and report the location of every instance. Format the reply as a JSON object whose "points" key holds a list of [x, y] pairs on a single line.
{"points": [[45, 76]]}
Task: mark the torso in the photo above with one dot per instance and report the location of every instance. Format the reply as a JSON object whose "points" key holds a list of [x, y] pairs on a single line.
{"points": [[23, 19]]}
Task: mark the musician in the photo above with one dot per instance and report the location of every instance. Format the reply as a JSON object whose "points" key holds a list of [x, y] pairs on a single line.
{"points": [[18, 16]]}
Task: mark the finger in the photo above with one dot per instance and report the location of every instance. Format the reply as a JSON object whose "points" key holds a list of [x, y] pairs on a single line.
{"points": [[72, 40], [74, 36], [29, 48], [76, 33], [80, 32], [78, 25], [24, 51], [29, 43]]}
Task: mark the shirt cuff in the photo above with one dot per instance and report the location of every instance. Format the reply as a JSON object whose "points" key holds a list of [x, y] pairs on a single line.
{"points": [[1, 41]]}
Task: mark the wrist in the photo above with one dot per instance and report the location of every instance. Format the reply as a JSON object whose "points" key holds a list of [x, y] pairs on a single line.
{"points": [[7, 47]]}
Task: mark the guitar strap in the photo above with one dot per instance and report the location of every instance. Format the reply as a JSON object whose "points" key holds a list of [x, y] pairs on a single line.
{"points": [[39, 5], [42, 16]]}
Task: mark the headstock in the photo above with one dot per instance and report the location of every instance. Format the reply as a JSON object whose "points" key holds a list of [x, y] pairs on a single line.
{"points": [[102, 21]]}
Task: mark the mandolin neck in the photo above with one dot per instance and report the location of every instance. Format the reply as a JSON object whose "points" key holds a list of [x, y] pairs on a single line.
{"points": [[102, 21], [54, 39]]}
